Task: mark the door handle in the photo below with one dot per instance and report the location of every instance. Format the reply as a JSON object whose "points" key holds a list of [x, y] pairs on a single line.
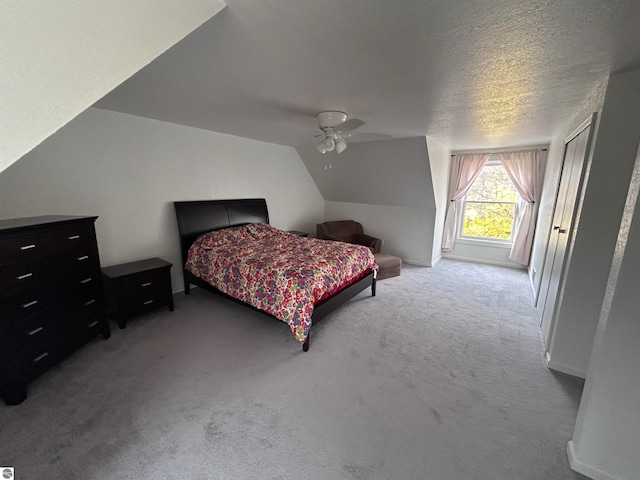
{"points": [[562, 230], [556, 227]]}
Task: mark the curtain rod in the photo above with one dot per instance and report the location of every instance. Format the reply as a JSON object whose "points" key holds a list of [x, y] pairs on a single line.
{"points": [[499, 151]]}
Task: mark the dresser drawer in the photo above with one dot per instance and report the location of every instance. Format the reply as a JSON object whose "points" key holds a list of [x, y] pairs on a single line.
{"points": [[84, 316], [88, 304], [22, 305], [81, 279], [38, 357], [33, 329], [51, 295], [23, 247], [74, 235], [23, 276]]}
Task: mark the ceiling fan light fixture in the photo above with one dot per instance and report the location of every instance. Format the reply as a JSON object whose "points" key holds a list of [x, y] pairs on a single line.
{"points": [[329, 144], [341, 145], [321, 148], [331, 118]]}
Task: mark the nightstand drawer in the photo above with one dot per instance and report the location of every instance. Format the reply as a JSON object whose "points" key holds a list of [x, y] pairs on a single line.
{"points": [[146, 291], [145, 284], [137, 287]]}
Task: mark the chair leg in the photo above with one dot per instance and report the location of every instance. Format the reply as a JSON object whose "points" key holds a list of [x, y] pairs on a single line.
{"points": [[305, 345], [373, 288]]}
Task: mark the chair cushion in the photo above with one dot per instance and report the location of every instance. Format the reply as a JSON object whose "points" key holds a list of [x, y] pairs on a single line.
{"points": [[388, 265]]}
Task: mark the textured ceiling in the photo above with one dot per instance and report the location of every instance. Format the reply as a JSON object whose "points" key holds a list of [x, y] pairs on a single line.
{"points": [[475, 74]]}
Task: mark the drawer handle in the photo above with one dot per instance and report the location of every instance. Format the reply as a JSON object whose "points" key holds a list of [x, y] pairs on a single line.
{"points": [[34, 331], [86, 280], [84, 257], [30, 304], [26, 275], [146, 284], [40, 357], [90, 302], [148, 302], [28, 247], [74, 237], [93, 324]]}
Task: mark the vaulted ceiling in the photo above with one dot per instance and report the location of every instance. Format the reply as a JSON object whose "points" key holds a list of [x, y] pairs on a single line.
{"points": [[475, 74]]}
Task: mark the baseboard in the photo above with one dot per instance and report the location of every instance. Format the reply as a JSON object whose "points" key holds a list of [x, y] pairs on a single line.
{"points": [[533, 289], [416, 263], [585, 469], [435, 262], [488, 262], [560, 367]]}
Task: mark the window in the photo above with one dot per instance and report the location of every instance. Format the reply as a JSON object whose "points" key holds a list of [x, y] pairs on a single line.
{"points": [[489, 208]]}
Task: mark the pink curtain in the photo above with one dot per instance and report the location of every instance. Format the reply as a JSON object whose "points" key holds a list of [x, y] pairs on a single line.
{"points": [[464, 170], [523, 168]]}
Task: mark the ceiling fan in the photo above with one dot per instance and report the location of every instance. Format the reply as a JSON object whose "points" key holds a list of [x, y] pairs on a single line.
{"points": [[335, 128]]}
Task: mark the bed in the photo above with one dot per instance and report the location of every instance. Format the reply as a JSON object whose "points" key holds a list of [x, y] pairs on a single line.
{"points": [[204, 226]]}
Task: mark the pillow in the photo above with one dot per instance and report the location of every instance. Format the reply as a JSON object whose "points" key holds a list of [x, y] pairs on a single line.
{"points": [[224, 237], [262, 230]]}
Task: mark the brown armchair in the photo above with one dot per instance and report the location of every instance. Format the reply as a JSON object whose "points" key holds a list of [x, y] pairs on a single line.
{"points": [[347, 231]]}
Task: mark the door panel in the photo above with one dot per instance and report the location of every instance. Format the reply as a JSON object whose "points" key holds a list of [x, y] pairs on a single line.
{"points": [[560, 236], [569, 153]]}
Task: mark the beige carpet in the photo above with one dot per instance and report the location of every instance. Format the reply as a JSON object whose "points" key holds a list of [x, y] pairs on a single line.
{"points": [[440, 376]]}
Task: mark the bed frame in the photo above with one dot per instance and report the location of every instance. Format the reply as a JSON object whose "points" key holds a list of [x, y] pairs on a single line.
{"points": [[201, 216]]}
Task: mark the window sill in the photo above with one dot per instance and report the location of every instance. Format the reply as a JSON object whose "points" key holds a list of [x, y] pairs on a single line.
{"points": [[485, 243]]}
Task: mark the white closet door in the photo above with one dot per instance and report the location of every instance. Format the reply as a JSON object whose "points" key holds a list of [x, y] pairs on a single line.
{"points": [[576, 152]]}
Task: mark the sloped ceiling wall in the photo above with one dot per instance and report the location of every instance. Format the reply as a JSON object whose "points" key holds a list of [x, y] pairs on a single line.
{"points": [[58, 58], [387, 186], [387, 172]]}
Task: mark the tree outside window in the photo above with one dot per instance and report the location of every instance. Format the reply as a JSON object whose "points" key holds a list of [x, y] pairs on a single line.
{"points": [[490, 205]]}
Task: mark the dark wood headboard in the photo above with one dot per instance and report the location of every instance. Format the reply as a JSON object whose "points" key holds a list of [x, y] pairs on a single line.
{"points": [[201, 216]]}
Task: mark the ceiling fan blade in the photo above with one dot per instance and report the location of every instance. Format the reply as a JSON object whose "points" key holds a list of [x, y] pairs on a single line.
{"points": [[350, 124], [366, 137]]}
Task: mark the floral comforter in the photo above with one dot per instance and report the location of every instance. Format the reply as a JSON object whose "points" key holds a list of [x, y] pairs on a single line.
{"points": [[275, 271]]}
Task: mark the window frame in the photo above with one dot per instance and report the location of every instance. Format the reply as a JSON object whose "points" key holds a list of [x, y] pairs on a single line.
{"points": [[502, 242]]}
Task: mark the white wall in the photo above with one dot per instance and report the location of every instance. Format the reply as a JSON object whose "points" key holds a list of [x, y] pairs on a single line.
{"points": [[407, 231], [387, 186], [440, 162], [387, 172], [594, 242], [483, 252], [128, 170], [553, 170], [58, 58], [487, 251], [607, 434]]}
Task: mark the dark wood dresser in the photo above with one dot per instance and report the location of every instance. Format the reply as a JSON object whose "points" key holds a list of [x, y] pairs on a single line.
{"points": [[51, 296]]}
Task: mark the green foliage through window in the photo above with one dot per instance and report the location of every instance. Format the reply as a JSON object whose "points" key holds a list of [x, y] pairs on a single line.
{"points": [[490, 205]]}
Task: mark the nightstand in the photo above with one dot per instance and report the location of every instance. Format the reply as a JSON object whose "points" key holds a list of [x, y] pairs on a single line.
{"points": [[137, 287], [298, 233]]}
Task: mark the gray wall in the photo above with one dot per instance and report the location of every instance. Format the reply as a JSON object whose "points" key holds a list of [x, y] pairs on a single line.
{"points": [[387, 172], [440, 162], [607, 432], [387, 186], [128, 170], [600, 214], [593, 103]]}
